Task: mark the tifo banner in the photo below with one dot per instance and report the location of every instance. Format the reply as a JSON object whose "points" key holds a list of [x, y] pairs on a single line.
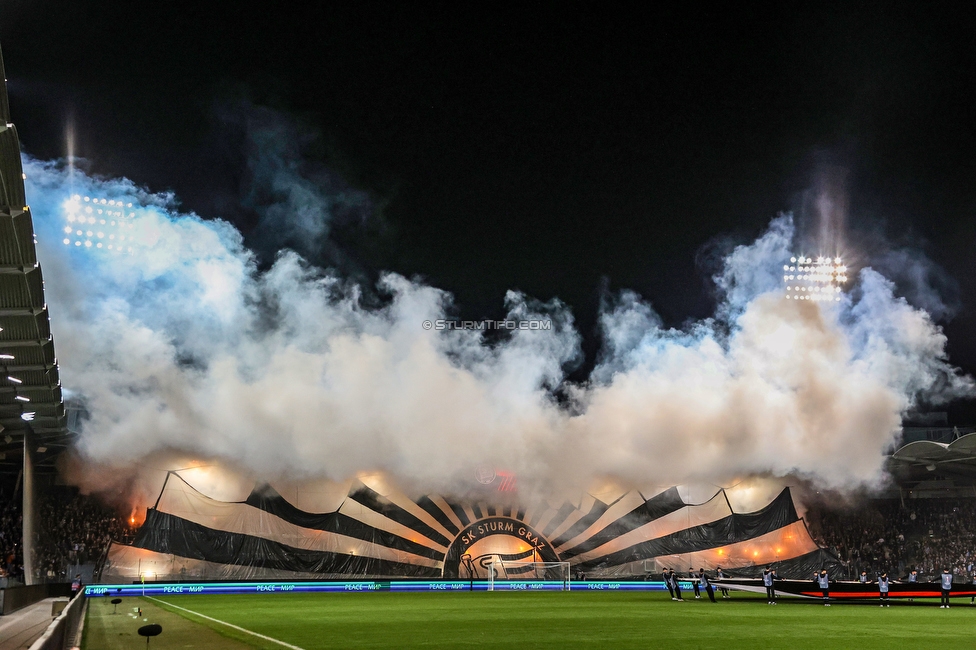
{"points": [[190, 536]]}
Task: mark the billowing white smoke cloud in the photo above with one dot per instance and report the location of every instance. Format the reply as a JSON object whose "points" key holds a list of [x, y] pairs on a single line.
{"points": [[780, 387], [186, 346]]}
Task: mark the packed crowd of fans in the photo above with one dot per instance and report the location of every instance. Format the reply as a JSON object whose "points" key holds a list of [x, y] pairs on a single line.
{"points": [[73, 530], [885, 535], [12, 567]]}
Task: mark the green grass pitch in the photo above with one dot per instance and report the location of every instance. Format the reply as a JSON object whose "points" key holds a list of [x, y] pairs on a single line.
{"points": [[525, 620]]}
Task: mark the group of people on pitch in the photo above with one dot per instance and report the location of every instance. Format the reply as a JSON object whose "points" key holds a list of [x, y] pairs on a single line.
{"points": [[699, 581], [884, 584]]}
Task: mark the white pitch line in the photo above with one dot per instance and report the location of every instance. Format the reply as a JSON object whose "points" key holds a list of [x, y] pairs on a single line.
{"points": [[217, 620]]}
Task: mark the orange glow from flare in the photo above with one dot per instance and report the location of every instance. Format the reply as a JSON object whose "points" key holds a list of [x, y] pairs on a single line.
{"points": [[135, 517]]}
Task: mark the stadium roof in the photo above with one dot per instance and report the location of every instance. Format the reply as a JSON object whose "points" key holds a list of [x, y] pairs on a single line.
{"points": [[924, 459], [30, 388]]}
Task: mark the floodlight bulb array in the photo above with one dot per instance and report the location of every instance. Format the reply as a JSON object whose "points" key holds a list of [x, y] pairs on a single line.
{"points": [[820, 280], [98, 223]]}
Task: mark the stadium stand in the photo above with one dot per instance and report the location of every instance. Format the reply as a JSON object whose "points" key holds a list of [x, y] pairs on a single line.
{"points": [[74, 535], [887, 535]]}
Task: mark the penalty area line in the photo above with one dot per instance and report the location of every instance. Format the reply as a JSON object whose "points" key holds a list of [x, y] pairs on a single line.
{"points": [[217, 620]]}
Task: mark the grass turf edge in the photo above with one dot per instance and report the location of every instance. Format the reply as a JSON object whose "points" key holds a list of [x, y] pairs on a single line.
{"points": [[222, 630]]}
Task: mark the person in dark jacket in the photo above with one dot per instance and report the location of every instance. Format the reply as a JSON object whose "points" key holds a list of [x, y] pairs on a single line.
{"points": [[824, 581], [883, 589], [946, 579], [707, 584], [667, 583], [694, 582], [722, 576], [676, 585], [768, 576]]}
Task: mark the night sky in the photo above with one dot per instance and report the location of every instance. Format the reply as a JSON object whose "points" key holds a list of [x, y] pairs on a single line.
{"points": [[562, 152]]}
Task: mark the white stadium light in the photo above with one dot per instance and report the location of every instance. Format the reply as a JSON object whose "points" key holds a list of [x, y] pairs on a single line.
{"points": [[112, 221], [820, 280], [15, 380], [27, 417], [21, 398]]}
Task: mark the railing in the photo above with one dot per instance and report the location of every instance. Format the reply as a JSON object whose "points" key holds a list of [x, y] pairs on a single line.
{"points": [[63, 631], [100, 563], [14, 598]]}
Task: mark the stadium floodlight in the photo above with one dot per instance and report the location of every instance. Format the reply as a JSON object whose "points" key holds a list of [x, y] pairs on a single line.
{"points": [[820, 280], [103, 216], [7, 357], [21, 398], [28, 416], [14, 380]]}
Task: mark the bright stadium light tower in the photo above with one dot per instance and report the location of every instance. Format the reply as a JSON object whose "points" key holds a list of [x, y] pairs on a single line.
{"points": [[99, 223], [820, 280]]}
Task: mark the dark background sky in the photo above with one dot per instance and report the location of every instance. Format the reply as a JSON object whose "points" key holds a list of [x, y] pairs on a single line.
{"points": [[562, 151]]}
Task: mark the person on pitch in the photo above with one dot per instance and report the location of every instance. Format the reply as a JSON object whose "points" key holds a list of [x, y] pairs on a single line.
{"points": [[721, 576], [768, 576], [707, 584], [676, 585], [883, 589], [946, 579], [864, 577], [972, 600], [667, 583], [694, 582], [824, 581], [913, 580]]}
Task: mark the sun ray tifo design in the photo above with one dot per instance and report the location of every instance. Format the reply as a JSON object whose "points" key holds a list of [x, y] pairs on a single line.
{"points": [[188, 535]]}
